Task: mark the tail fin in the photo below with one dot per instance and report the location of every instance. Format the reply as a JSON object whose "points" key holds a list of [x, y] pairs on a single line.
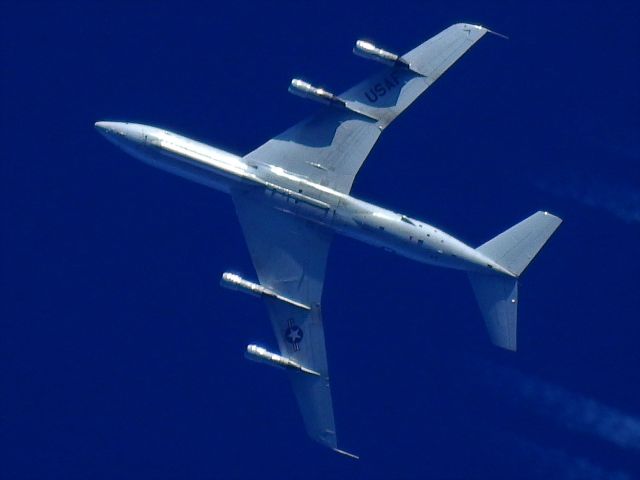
{"points": [[498, 300], [498, 294]]}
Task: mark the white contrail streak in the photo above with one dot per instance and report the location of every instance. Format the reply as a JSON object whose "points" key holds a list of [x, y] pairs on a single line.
{"points": [[551, 463], [621, 201], [576, 412], [582, 413]]}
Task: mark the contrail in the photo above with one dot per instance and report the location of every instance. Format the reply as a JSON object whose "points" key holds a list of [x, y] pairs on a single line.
{"points": [[621, 201], [577, 412], [584, 414], [553, 463]]}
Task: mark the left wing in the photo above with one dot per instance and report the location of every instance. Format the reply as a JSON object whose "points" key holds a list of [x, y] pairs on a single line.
{"points": [[330, 147], [289, 255]]}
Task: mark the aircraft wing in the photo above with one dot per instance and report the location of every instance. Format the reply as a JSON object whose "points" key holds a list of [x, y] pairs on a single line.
{"points": [[330, 147], [289, 255]]}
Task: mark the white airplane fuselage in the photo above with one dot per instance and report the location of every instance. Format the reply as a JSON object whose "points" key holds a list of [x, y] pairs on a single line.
{"points": [[334, 210]]}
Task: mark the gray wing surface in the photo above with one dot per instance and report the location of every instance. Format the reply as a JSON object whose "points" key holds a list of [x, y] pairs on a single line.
{"points": [[289, 255], [330, 147]]}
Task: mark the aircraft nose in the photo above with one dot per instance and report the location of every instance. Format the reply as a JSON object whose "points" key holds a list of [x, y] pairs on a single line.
{"points": [[121, 133], [107, 128]]}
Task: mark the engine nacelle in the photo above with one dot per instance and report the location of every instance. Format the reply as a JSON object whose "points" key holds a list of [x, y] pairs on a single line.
{"points": [[306, 90], [236, 282], [369, 51], [262, 355]]}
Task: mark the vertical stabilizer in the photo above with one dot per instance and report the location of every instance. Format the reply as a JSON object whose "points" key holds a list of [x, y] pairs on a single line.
{"points": [[498, 294], [498, 300]]}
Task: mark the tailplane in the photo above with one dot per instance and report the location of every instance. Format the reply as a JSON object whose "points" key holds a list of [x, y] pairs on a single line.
{"points": [[498, 294]]}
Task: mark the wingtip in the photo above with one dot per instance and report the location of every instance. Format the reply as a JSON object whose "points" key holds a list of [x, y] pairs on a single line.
{"points": [[496, 34], [467, 26], [346, 454]]}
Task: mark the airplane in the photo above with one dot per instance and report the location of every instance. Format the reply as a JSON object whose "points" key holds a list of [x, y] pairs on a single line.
{"points": [[292, 194]]}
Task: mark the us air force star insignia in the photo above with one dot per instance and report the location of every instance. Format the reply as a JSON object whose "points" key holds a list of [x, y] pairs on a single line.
{"points": [[294, 335]]}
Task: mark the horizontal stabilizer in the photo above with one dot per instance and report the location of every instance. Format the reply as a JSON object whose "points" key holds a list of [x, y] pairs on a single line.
{"points": [[515, 248], [498, 300]]}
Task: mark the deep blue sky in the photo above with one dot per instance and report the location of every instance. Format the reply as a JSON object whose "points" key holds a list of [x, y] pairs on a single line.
{"points": [[122, 358]]}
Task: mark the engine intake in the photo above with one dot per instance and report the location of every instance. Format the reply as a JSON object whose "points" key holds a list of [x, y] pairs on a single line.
{"points": [[369, 51], [236, 282], [262, 355], [306, 90]]}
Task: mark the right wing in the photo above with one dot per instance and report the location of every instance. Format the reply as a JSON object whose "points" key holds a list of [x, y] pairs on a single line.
{"points": [[290, 255], [330, 147]]}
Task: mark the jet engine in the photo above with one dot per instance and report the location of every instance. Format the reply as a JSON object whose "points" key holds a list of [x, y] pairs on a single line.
{"points": [[369, 51], [262, 355]]}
